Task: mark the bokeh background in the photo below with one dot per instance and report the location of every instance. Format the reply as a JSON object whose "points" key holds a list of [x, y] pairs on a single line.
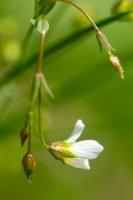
{"points": [[86, 87]]}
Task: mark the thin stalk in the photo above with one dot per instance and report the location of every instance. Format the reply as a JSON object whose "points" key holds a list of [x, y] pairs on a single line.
{"points": [[30, 116], [39, 70], [81, 10], [40, 118], [41, 51]]}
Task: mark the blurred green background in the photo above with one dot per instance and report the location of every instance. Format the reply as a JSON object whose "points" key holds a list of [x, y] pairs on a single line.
{"points": [[86, 87]]}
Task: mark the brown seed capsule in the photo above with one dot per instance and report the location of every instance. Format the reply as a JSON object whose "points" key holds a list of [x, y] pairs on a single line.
{"points": [[24, 134], [29, 164], [115, 62]]}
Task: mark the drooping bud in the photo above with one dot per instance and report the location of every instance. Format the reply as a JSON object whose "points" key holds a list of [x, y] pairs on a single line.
{"points": [[103, 41], [29, 164], [24, 134], [115, 62]]}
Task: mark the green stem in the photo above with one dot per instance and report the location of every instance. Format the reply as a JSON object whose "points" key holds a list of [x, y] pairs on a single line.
{"points": [[41, 49], [30, 116], [40, 118], [81, 10], [58, 46], [39, 70]]}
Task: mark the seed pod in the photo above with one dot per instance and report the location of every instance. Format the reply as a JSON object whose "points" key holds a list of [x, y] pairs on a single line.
{"points": [[29, 164], [24, 134]]}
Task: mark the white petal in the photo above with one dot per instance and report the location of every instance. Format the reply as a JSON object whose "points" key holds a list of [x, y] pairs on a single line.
{"points": [[78, 128], [89, 149], [77, 162]]}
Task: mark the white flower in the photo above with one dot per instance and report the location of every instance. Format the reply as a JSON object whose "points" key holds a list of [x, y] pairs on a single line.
{"points": [[76, 154]]}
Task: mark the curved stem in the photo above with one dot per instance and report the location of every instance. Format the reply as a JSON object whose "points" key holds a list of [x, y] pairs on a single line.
{"points": [[40, 118], [20, 68], [81, 10]]}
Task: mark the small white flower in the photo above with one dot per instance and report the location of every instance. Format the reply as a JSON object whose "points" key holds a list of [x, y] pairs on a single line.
{"points": [[76, 154]]}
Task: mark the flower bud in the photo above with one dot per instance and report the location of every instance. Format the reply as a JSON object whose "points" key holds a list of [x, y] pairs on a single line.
{"points": [[24, 134], [29, 164], [115, 62], [103, 41]]}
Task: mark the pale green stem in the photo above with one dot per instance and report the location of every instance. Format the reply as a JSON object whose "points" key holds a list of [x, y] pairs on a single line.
{"points": [[30, 116], [30, 30], [41, 51], [39, 70], [81, 10], [40, 118]]}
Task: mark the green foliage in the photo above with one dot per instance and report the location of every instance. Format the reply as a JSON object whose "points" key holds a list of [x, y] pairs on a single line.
{"points": [[85, 86]]}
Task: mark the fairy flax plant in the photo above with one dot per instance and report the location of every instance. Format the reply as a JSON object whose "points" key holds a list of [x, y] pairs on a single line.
{"points": [[70, 152]]}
